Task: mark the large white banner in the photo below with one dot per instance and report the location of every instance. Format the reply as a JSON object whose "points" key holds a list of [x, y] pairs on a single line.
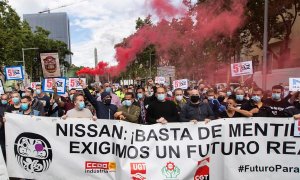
{"points": [[231, 149]]}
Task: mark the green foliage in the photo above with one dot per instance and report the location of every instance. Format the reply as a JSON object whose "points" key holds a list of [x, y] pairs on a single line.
{"points": [[15, 35]]}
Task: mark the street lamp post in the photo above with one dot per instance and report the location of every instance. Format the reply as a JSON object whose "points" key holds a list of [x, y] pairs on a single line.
{"points": [[265, 47], [23, 61]]}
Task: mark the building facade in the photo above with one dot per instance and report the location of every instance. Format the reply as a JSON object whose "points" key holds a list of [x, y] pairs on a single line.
{"points": [[57, 23]]}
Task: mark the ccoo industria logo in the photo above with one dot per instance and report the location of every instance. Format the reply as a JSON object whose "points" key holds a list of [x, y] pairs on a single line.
{"points": [[33, 152]]}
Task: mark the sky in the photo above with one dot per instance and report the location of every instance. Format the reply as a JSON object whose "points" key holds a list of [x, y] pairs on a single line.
{"points": [[94, 24]]}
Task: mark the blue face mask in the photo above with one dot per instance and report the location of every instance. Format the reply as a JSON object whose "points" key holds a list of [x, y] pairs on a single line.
{"points": [[108, 89], [24, 106], [81, 105], [38, 91], [16, 100], [4, 102], [161, 97], [276, 96], [239, 97], [140, 95], [229, 93], [128, 103], [256, 99]]}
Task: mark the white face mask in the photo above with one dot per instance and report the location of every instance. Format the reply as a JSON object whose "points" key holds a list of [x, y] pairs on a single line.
{"points": [[178, 98]]}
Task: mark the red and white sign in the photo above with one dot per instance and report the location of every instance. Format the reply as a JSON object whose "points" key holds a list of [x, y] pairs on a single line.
{"points": [[75, 83], [160, 80], [60, 84], [242, 68], [14, 73], [33, 84], [297, 128], [182, 83], [138, 171], [202, 172]]}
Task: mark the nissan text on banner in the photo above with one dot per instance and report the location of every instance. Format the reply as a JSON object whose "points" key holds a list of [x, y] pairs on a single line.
{"points": [[225, 149]]}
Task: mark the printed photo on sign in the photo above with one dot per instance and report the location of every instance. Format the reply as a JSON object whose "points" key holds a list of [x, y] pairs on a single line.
{"points": [[182, 83], [160, 80], [242, 68], [75, 83], [33, 84], [294, 84], [1, 87], [14, 73], [60, 83], [50, 65]]}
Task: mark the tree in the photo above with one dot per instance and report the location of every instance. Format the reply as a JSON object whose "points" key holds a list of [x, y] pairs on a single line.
{"points": [[15, 35]]}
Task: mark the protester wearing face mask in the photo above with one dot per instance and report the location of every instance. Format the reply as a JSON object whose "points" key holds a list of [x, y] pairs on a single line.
{"points": [[255, 105], [114, 98], [179, 99], [276, 103], [232, 111], [26, 107], [143, 103], [294, 109], [42, 97], [214, 103], [36, 104], [240, 98], [104, 109], [128, 112], [195, 110], [4, 107], [162, 111], [15, 107], [79, 111]]}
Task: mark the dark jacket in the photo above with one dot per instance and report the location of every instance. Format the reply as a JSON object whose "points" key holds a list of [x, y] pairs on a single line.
{"points": [[166, 109], [102, 111], [198, 112]]}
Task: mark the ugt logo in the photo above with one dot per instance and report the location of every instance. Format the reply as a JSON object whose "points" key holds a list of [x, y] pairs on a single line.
{"points": [[202, 172], [33, 152], [138, 171], [170, 170]]}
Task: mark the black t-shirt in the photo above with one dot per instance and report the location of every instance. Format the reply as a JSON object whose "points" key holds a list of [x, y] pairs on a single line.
{"points": [[249, 105], [275, 108], [225, 115], [241, 103]]}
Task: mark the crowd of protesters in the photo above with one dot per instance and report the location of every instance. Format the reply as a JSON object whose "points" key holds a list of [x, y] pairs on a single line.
{"points": [[152, 103]]}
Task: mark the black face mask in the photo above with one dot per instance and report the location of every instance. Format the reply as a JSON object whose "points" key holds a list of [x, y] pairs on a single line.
{"points": [[297, 104], [195, 99], [221, 98], [107, 101]]}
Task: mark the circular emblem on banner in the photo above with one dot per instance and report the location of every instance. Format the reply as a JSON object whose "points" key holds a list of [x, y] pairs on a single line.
{"points": [[33, 152]]}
